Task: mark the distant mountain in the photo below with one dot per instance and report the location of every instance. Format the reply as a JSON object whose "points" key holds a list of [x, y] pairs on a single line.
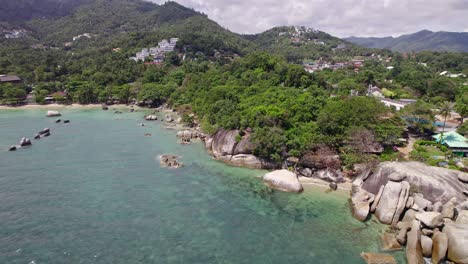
{"points": [[419, 41]]}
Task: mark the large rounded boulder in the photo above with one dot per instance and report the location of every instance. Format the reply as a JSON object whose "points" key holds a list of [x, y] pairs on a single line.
{"points": [[283, 180]]}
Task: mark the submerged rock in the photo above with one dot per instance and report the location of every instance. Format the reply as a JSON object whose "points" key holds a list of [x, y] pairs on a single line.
{"points": [[51, 113], [58, 120], [283, 180], [12, 148], [170, 161], [378, 258], [37, 136], [66, 121]]}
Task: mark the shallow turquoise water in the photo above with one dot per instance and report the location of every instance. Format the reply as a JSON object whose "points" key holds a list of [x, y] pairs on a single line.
{"points": [[93, 192]]}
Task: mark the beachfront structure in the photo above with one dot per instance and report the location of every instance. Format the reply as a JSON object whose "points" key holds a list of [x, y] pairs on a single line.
{"points": [[457, 143]]}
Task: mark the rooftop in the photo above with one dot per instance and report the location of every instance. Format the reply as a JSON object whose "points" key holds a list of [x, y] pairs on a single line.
{"points": [[452, 139], [9, 78]]}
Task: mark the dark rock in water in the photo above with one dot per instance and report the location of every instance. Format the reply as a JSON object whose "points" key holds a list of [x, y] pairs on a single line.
{"points": [[37, 136], [333, 186], [104, 107], [12, 148], [170, 161], [66, 121], [58, 120], [25, 142], [117, 112], [43, 131], [132, 110], [46, 134]]}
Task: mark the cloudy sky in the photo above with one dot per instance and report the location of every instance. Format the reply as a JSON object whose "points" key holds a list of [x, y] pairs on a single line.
{"points": [[341, 18]]}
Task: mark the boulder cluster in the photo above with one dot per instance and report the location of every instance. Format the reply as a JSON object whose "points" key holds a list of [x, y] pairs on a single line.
{"points": [[170, 161], [186, 136], [427, 206]]}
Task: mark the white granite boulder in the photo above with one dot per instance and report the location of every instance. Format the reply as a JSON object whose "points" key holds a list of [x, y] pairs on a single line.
{"points": [[283, 180]]}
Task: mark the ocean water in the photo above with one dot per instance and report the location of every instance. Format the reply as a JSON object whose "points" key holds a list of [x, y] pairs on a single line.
{"points": [[93, 192]]}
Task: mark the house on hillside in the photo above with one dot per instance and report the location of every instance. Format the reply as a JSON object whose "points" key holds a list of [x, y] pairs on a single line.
{"points": [[398, 104], [10, 79], [374, 91], [457, 143]]}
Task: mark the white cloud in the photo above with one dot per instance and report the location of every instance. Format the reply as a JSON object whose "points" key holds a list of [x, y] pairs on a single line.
{"points": [[340, 17]]}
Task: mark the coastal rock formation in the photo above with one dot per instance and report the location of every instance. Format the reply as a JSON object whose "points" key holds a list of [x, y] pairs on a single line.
{"points": [[430, 219], [463, 177], [151, 117], [283, 180], [225, 145], [439, 246], [462, 217], [170, 161], [51, 113], [426, 245], [361, 201], [392, 202], [435, 184], [457, 235], [414, 253], [12, 148], [25, 142]]}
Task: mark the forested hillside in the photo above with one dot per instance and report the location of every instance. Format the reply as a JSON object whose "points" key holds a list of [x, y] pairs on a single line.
{"points": [[419, 41], [255, 83]]}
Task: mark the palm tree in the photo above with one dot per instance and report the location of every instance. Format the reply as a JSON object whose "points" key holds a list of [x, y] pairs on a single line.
{"points": [[445, 110]]}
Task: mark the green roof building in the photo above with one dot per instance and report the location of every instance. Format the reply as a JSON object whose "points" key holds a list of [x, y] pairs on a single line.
{"points": [[454, 141]]}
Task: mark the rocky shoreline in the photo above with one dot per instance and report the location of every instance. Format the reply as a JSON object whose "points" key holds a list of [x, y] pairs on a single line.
{"points": [[425, 207]]}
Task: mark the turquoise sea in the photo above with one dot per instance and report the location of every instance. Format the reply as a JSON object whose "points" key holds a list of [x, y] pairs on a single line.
{"points": [[93, 192]]}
